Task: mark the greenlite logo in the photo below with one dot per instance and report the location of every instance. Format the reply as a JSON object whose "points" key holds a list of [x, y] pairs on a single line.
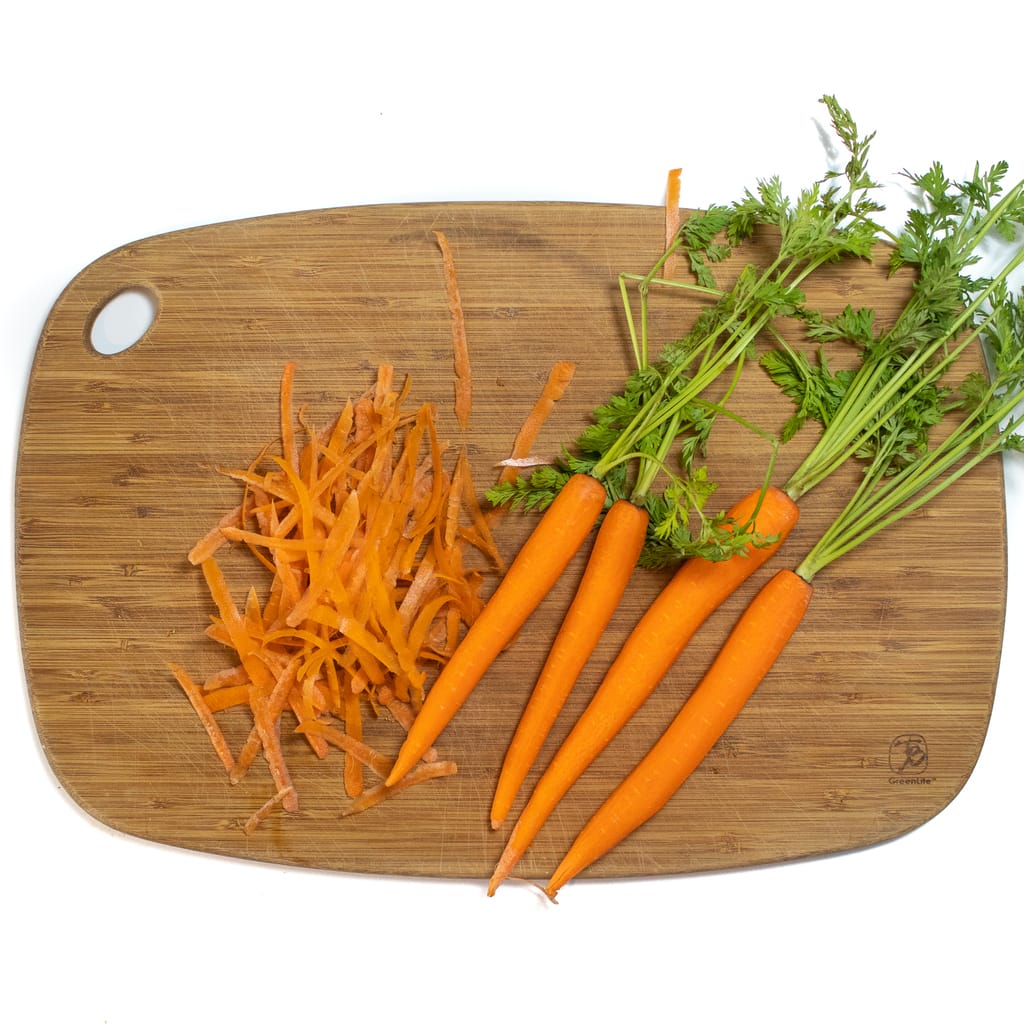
{"points": [[908, 760]]}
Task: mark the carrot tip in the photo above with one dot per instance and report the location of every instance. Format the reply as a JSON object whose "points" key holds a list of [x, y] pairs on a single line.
{"points": [[550, 896], [501, 872]]}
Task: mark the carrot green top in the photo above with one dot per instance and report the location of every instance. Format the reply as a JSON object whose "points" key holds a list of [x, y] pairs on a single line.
{"points": [[886, 409], [662, 405], [988, 423], [885, 412]]}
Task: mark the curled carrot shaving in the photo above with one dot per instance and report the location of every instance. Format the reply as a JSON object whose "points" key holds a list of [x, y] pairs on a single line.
{"points": [[374, 555], [554, 388], [460, 351]]}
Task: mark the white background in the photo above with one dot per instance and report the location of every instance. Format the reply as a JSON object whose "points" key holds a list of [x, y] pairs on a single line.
{"points": [[125, 120]]}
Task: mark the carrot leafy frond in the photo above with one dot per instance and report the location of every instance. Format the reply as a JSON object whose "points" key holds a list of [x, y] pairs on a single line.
{"points": [[656, 427]]}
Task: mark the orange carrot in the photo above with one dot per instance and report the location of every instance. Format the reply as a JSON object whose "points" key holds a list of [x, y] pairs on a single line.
{"points": [[694, 592], [463, 375], [747, 656], [609, 568], [536, 568], [246, 757]]}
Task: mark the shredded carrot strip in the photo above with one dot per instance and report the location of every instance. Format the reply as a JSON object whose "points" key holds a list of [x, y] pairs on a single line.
{"points": [[227, 697], [377, 763], [404, 715], [260, 815], [375, 555], [287, 430], [421, 773], [481, 537], [233, 676], [302, 708], [353, 772], [463, 376], [246, 756], [215, 539], [202, 709]]}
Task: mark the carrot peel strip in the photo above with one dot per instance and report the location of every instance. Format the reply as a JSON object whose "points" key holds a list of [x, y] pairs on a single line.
{"points": [[672, 218], [202, 709], [463, 374], [558, 381]]}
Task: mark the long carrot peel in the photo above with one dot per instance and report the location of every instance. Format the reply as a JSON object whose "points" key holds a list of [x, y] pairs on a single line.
{"points": [[536, 568], [609, 569], [659, 637], [460, 346], [749, 653], [673, 218], [375, 553]]}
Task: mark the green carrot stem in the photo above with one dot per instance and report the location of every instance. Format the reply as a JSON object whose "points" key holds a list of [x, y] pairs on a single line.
{"points": [[869, 403], [871, 509]]}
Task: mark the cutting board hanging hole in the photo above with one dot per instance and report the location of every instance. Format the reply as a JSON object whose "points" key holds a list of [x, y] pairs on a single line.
{"points": [[123, 321]]}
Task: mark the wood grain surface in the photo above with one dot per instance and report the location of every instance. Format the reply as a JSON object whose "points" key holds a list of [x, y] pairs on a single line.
{"points": [[115, 483]]}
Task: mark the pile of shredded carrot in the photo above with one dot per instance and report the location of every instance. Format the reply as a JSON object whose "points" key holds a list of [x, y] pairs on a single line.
{"points": [[367, 539], [365, 536]]}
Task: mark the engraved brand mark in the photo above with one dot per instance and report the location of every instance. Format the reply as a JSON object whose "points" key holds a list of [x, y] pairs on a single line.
{"points": [[908, 754]]}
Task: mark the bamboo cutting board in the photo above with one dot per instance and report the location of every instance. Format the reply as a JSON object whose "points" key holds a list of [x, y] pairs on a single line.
{"points": [[867, 728]]}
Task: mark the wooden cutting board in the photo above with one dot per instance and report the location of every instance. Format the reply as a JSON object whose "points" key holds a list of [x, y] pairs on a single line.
{"points": [[898, 655]]}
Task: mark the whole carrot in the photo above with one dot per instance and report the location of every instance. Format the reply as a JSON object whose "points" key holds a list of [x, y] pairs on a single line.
{"points": [[747, 656], [609, 568], [656, 641], [538, 565]]}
